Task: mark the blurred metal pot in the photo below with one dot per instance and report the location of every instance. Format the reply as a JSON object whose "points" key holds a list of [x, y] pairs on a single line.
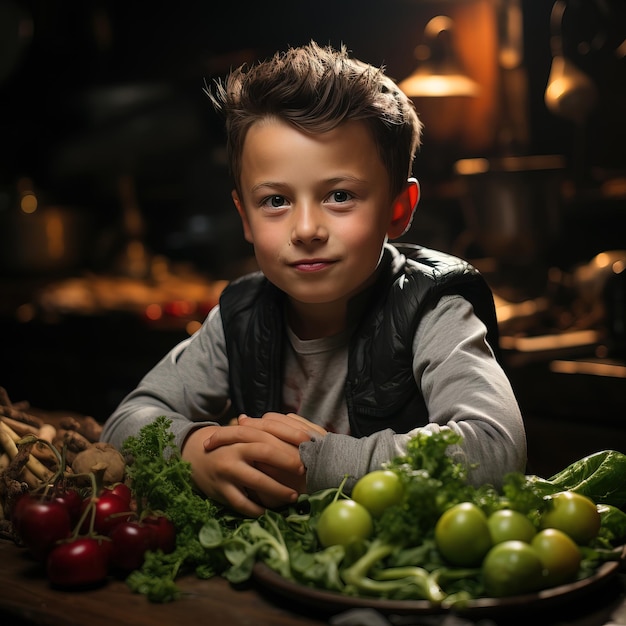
{"points": [[512, 204]]}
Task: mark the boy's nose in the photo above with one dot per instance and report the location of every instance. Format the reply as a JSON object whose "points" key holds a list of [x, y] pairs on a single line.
{"points": [[308, 225]]}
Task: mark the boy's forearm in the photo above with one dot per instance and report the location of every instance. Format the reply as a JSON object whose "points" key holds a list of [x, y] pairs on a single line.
{"points": [[494, 451], [129, 420], [328, 459]]}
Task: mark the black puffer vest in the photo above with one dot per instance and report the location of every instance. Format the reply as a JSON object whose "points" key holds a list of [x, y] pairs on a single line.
{"points": [[380, 389]]}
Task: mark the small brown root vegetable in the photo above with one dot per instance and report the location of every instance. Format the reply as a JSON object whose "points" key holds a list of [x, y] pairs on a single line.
{"points": [[12, 483], [90, 428], [86, 426], [45, 454], [9, 439], [69, 423], [18, 467], [17, 410], [20, 428], [4, 397], [98, 455], [73, 440], [69, 455], [47, 432]]}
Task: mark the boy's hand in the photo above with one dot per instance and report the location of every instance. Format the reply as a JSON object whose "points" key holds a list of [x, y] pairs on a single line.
{"points": [[289, 427], [226, 463]]}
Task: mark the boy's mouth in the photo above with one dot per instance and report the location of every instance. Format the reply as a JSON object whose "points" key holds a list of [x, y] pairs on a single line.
{"points": [[311, 265]]}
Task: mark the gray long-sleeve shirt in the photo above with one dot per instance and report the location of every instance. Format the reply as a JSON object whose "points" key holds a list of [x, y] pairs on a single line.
{"points": [[464, 388]]}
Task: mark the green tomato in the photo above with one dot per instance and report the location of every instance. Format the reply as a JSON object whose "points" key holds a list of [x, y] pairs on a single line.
{"points": [[342, 522], [576, 515], [511, 568], [507, 524], [462, 535], [378, 490], [559, 555]]}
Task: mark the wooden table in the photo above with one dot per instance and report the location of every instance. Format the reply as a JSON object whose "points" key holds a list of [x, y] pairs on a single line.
{"points": [[27, 598]]}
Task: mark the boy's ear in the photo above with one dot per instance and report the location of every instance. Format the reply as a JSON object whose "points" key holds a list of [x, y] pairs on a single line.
{"points": [[247, 233], [403, 209]]}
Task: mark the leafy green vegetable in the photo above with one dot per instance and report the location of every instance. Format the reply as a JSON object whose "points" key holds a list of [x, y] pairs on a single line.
{"points": [[161, 480], [432, 482], [409, 581], [613, 528], [401, 561], [253, 541], [600, 476]]}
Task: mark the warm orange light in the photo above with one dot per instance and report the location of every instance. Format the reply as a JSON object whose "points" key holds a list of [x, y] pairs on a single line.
{"points": [[180, 308], [439, 72], [590, 368], [420, 84], [55, 233], [192, 327], [154, 312], [28, 203]]}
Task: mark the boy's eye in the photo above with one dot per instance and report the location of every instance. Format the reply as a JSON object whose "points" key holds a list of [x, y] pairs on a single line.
{"points": [[340, 196], [275, 201]]}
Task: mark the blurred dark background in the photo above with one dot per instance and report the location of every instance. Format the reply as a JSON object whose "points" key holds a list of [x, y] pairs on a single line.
{"points": [[116, 225]]}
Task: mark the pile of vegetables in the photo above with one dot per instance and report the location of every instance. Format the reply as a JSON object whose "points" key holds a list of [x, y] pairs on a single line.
{"points": [[413, 530], [79, 526], [83, 539], [64, 499], [76, 436]]}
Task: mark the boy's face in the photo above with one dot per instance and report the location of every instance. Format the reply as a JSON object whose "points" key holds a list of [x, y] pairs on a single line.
{"points": [[317, 209]]}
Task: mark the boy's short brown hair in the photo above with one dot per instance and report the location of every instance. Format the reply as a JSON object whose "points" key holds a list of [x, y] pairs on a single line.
{"points": [[315, 89]]}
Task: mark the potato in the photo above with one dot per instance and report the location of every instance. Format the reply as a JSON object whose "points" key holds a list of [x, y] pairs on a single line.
{"points": [[98, 456]]}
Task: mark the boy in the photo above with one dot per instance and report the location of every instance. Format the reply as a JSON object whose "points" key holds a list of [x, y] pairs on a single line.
{"points": [[342, 345]]}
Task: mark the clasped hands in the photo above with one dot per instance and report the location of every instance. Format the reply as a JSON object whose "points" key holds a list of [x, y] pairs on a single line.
{"points": [[252, 464]]}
